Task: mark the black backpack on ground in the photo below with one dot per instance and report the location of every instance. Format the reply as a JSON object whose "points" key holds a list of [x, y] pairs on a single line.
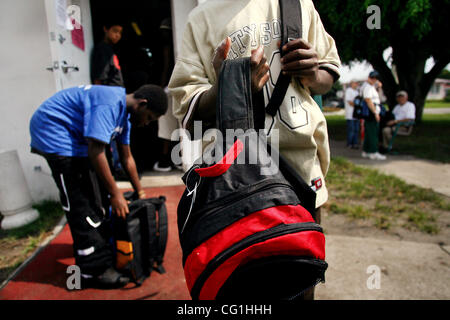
{"points": [[140, 240]]}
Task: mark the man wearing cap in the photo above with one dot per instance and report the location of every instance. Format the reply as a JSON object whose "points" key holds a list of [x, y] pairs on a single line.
{"points": [[404, 111]]}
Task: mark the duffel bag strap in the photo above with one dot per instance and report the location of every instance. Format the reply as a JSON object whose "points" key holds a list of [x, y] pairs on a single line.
{"points": [[161, 235], [291, 19]]}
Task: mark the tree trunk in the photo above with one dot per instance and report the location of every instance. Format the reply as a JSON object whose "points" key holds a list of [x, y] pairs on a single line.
{"points": [[411, 76]]}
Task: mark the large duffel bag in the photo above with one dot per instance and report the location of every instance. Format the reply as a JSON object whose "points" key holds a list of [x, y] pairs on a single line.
{"points": [[140, 239], [245, 223]]}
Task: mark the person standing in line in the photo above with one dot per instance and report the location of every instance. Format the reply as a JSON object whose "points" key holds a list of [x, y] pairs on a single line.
{"points": [[352, 124], [371, 125]]}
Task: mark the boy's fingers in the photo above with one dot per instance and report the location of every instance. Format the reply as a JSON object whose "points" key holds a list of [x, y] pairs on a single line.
{"points": [[225, 48], [221, 53], [296, 44], [298, 54], [257, 56], [263, 81], [262, 69], [300, 65]]}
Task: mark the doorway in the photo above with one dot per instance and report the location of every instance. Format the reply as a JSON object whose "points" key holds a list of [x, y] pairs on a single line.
{"points": [[140, 56]]}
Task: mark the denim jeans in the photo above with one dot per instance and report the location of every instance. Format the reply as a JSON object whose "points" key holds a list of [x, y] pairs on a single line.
{"points": [[352, 132]]}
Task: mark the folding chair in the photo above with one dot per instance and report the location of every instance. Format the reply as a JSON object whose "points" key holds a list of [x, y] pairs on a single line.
{"points": [[409, 128]]}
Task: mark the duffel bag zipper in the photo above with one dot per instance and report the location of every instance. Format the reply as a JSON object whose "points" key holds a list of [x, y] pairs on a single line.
{"points": [[280, 230], [235, 197]]}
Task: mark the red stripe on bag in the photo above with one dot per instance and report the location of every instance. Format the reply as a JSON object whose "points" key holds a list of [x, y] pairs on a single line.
{"points": [[253, 223], [224, 164], [304, 243]]}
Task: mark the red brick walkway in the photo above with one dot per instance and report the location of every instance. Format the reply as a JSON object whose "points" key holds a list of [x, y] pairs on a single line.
{"points": [[45, 277]]}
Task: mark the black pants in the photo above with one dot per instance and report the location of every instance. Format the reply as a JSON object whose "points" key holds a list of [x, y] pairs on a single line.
{"points": [[86, 206]]}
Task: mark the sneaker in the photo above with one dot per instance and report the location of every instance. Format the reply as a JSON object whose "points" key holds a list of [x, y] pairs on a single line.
{"points": [[110, 279], [162, 167], [377, 156], [365, 154]]}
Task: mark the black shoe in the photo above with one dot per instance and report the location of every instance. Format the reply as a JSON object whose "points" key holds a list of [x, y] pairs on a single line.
{"points": [[110, 279], [163, 165]]}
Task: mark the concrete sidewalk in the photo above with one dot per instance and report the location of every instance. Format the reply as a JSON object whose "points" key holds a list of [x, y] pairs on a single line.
{"points": [[407, 270], [403, 269], [424, 173]]}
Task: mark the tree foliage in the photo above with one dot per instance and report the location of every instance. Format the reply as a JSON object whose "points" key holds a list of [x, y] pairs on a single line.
{"points": [[415, 29]]}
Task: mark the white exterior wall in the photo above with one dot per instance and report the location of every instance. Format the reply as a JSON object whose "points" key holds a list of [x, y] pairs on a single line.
{"points": [[25, 83]]}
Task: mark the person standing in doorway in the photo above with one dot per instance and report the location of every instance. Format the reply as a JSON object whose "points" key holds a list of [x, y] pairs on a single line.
{"points": [[105, 70]]}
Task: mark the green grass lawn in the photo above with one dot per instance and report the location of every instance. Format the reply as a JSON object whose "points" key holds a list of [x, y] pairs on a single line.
{"points": [[17, 244], [429, 140], [362, 193], [437, 104]]}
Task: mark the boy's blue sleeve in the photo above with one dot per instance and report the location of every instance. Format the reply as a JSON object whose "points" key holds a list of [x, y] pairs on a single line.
{"points": [[101, 123], [124, 137]]}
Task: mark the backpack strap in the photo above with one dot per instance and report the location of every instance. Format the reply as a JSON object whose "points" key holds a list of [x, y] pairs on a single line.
{"points": [[161, 234], [291, 19]]}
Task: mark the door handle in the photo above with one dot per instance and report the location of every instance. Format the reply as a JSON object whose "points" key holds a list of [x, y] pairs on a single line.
{"points": [[54, 67], [66, 68]]}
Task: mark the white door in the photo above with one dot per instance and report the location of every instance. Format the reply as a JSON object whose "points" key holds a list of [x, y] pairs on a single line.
{"points": [[71, 41]]}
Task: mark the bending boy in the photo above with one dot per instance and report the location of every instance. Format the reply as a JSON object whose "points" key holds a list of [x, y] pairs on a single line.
{"points": [[70, 130]]}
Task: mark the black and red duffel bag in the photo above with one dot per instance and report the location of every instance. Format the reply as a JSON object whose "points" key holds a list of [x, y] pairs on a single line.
{"points": [[245, 222]]}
